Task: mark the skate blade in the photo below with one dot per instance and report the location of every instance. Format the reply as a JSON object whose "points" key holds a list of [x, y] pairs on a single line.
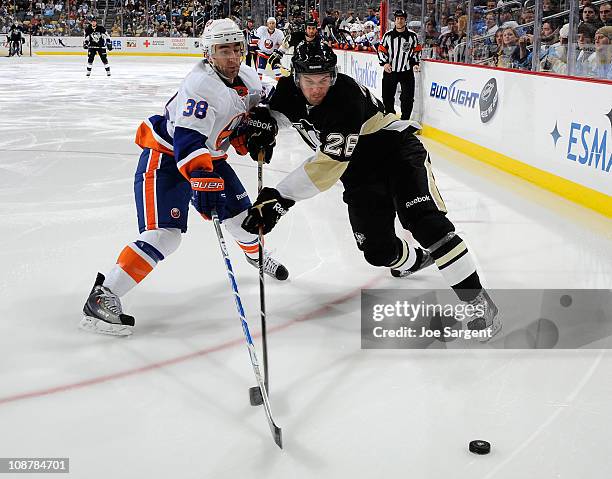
{"points": [[96, 325]]}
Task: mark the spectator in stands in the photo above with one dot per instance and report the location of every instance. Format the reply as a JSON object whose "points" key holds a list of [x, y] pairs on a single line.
{"points": [[506, 19], [586, 47], [549, 35], [605, 14], [509, 55], [448, 41], [591, 15], [495, 46], [490, 26], [371, 17], [549, 7], [601, 60], [527, 16], [478, 21], [431, 38]]}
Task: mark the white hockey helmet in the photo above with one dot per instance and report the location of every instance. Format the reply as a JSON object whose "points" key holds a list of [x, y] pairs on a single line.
{"points": [[221, 32], [369, 24]]}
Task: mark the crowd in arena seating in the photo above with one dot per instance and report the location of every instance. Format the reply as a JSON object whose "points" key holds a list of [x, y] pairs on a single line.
{"points": [[51, 17], [503, 36], [502, 31]]}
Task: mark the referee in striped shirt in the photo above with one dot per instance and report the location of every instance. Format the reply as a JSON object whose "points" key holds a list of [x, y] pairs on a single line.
{"points": [[399, 54]]}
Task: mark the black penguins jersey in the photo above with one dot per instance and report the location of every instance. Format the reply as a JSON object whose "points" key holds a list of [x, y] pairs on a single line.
{"points": [[96, 37], [342, 130]]}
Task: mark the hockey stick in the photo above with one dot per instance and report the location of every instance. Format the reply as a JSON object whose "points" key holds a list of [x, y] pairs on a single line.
{"points": [[254, 393], [276, 431]]}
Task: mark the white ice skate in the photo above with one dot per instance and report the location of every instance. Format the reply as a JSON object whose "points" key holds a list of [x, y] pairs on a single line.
{"points": [[489, 320]]}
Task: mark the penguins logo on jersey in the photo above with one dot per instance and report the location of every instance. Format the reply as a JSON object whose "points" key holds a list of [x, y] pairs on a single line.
{"points": [[309, 133], [95, 37]]}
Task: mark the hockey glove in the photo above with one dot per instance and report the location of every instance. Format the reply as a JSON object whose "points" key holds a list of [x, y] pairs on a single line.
{"points": [[275, 58], [207, 193], [86, 44], [266, 211], [261, 133], [109, 45]]}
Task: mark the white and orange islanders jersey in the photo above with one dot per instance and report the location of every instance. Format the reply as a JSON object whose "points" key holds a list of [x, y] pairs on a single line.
{"points": [[268, 42], [199, 119]]}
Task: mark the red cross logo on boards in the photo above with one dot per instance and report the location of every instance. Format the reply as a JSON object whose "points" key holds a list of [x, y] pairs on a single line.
{"points": [[147, 43]]}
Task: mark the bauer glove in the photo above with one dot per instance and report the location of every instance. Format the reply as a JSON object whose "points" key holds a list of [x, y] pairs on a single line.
{"points": [[266, 211], [208, 193]]}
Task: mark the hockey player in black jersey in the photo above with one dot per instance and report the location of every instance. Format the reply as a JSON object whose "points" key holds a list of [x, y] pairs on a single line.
{"points": [[293, 39], [385, 170], [15, 38], [98, 42]]}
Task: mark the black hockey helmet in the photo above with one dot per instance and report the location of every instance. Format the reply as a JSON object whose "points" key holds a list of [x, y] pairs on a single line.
{"points": [[314, 57], [400, 13]]}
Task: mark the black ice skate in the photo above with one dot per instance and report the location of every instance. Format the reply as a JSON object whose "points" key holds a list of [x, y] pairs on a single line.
{"points": [[102, 312], [271, 267], [423, 260], [488, 321]]}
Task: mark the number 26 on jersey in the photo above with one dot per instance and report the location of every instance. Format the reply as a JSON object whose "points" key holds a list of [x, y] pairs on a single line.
{"points": [[197, 109]]}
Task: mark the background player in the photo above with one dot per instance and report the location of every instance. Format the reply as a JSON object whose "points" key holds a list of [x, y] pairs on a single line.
{"points": [[292, 40], [385, 171], [251, 42], [16, 40], [269, 38], [183, 160], [97, 41]]}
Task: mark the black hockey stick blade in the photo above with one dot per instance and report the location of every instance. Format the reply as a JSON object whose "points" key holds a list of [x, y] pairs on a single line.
{"points": [[278, 436]]}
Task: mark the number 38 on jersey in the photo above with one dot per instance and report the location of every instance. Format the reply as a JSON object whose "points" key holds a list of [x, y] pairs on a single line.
{"points": [[197, 109]]}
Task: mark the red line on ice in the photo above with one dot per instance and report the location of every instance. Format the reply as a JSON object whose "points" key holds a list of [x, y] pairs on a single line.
{"points": [[186, 357]]}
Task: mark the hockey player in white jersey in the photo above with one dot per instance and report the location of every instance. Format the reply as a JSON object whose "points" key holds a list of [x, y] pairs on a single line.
{"points": [[269, 39], [184, 160]]}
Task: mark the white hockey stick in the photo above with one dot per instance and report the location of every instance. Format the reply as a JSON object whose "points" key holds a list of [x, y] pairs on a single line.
{"points": [[276, 431]]}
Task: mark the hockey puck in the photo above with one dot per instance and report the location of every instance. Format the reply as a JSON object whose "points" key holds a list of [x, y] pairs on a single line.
{"points": [[480, 447], [255, 396]]}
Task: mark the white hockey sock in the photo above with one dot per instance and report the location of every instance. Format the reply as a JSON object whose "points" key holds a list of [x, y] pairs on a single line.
{"points": [[248, 242], [139, 258]]}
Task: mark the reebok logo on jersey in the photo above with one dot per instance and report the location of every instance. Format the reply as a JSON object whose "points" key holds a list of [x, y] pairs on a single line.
{"points": [[241, 195], [207, 184], [419, 199], [260, 124]]}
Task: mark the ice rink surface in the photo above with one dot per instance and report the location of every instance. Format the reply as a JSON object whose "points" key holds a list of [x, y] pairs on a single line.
{"points": [[172, 400]]}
